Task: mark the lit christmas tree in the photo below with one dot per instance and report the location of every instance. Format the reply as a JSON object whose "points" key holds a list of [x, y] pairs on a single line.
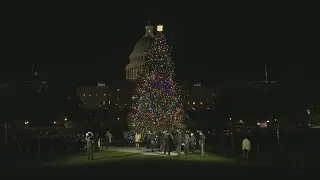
{"points": [[157, 104]]}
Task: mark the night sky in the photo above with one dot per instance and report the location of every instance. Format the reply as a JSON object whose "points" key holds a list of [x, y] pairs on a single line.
{"points": [[224, 46]]}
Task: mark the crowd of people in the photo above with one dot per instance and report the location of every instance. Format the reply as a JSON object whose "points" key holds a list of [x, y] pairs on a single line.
{"points": [[49, 145], [46, 145], [167, 142], [188, 142], [43, 145]]}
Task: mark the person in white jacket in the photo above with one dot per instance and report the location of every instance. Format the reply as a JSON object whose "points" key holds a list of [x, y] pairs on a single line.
{"points": [[138, 140], [246, 147]]}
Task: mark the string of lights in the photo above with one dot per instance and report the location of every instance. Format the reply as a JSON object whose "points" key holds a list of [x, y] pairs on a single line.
{"points": [[157, 104]]}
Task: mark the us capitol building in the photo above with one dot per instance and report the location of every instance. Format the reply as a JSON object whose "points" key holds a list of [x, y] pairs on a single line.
{"points": [[139, 55], [118, 96]]}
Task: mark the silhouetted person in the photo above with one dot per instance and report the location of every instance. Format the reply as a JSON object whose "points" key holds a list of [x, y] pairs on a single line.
{"points": [[90, 145], [153, 137], [138, 140], [168, 143], [186, 142], [96, 142], [178, 141], [108, 137], [246, 147], [232, 140], [202, 139], [193, 142], [161, 141]]}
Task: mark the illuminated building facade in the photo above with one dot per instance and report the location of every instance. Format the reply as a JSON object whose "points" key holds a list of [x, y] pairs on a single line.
{"points": [[139, 55], [119, 96], [105, 97], [197, 96]]}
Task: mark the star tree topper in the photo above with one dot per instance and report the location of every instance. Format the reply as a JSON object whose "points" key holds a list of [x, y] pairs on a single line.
{"points": [[160, 28]]}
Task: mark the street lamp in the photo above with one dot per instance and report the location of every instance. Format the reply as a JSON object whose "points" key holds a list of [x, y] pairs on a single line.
{"points": [[278, 132], [6, 132], [54, 122], [308, 111], [65, 119]]}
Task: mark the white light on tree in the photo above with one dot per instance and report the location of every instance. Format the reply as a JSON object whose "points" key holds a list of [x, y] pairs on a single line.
{"points": [[54, 122], [66, 119], [160, 28]]}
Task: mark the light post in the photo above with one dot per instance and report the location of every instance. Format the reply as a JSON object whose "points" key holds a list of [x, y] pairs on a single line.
{"points": [[6, 126], [308, 118], [230, 123], [6, 132], [278, 131]]}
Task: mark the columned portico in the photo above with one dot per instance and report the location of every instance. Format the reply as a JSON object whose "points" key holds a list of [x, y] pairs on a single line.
{"points": [[140, 54]]}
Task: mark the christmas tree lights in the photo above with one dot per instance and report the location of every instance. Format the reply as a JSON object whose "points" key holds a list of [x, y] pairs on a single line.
{"points": [[157, 104]]}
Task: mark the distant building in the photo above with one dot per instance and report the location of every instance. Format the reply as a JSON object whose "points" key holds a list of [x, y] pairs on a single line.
{"points": [[32, 86], [119, 95], [139, 55], [92, 97], [37, 83], [25, 97], [105, 97], [43, 86], [198, 96]]}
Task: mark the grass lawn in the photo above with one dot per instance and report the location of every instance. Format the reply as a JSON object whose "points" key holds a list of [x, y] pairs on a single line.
{"points": [[109, 164], [112, 157]]}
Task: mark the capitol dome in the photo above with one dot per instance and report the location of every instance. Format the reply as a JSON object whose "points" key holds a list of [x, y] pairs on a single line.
{"points": [[140, 53]]}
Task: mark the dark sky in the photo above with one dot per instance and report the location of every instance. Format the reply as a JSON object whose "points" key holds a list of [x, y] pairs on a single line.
{"points": [[218, 47]]}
